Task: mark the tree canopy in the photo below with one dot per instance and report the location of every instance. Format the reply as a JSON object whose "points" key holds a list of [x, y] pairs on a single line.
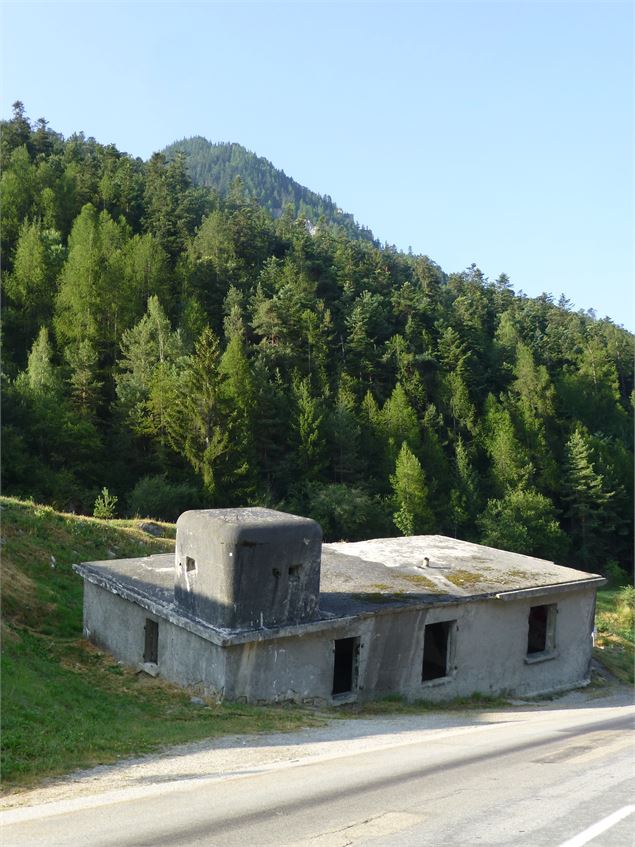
{"points": [[199, 342]]}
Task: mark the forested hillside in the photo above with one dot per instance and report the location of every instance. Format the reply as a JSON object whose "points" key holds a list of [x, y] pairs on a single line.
{"points": [[217, 166], [182, 347]]}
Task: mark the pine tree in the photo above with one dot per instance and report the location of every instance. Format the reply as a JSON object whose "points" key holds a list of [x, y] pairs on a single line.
{"points": [[40, 378], [343, 432], [146, 346], [238, 393], [586, 497], [458, 403], [84, 385], [510, 466], [308, 422], [36, 264], [399, 423], [196, 413], [412, 514], [95, 299], [464, 494]]}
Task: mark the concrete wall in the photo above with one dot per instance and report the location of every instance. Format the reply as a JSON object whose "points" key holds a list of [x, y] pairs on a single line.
{"points": [[118, 626], [244, 568], [487, 654]]}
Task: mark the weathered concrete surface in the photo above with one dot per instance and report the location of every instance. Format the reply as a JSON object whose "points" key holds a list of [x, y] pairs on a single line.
{"points": [[382, 593], [237, 568], [185, 658], [487, 654]]}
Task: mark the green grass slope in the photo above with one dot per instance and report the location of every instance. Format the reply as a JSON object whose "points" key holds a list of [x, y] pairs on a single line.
{"points": [[65, 704], [615, 637]]}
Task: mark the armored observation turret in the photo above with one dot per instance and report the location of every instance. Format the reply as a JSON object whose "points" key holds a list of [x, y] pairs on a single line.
{"points": [[247, 568]]}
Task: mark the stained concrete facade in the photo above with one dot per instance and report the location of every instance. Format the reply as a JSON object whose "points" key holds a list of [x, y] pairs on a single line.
{"points": [[426, 617]]}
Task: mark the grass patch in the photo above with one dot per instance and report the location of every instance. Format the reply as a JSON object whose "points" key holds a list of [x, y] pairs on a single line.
{"points": [[422, 582], [65, 704], [376, 597], [464, 579], [615, 641], [394, 704]]}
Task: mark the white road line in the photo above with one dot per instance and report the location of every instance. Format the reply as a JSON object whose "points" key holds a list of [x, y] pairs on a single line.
{"points": [[599, 827]]}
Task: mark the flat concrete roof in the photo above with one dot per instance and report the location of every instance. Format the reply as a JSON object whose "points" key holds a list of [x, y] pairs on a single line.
{"points": [[361, 578]]}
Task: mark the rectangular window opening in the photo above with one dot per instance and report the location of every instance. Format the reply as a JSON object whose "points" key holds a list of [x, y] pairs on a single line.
{"points": [[345, 665], [294, 572], [190, 564], [151, 650], [541, 629], [436, 643]]}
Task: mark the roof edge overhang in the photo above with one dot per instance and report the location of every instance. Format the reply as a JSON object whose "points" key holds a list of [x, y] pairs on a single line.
{"points": [[593, 581], [228, 638]]}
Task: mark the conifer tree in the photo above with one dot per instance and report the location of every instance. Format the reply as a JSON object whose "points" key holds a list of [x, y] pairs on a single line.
{"points": [[36, 264], [586, 497], [84, 385], [510, 466], [399, 423], [238, 393], [196, 413], [144, 347], [308, 421], [40, 378], [94, 299], [412, 514], [464, 493], [344, 434]]}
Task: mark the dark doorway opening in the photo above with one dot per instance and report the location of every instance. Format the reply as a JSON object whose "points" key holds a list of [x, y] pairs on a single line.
{"points": [[151, 650], [436, 638], [344, 665], [540, 635]]}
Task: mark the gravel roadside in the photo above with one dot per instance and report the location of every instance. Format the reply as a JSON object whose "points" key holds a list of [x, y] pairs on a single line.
{"points": [[235, 756]]}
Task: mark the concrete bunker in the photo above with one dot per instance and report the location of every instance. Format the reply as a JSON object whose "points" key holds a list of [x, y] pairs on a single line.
{"points": [[247, 567], [252, 606]]}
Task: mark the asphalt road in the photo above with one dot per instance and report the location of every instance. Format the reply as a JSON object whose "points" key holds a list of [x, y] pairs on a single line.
{"points": [[547, 777]]}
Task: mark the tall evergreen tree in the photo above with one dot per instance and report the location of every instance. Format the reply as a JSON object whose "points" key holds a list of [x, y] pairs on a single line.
{"points": [[40, 377], [196, 413], [464, 496], [309, 429], [84, 383], [586, 497], [412, 514]]}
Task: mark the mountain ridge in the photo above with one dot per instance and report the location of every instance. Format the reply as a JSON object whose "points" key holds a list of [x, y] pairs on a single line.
{"points": [[217, 164]]}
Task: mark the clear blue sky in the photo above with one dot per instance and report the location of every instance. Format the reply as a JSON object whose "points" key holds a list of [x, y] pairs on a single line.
{"points": [[498, 133]]}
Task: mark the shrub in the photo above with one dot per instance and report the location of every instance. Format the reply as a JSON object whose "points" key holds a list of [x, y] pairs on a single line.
{"points": [[616, 575], [105, 504], [346, 513], [156, 497], [625, 607]]}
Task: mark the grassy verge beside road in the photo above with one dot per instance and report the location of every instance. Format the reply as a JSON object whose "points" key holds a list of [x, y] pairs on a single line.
{"points": [[614, 642]]}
